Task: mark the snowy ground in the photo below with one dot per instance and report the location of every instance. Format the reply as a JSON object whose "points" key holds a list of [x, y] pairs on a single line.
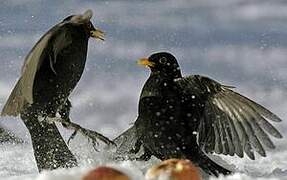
{"points": [[242, 43], [17, 163]]}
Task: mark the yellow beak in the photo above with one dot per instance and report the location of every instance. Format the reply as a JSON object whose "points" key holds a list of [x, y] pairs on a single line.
{"points": [[98, 34], [145, 62]]}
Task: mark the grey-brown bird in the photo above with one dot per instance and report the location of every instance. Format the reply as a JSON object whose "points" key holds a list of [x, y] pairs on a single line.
{"points": [[187, 117], [50, 72]]}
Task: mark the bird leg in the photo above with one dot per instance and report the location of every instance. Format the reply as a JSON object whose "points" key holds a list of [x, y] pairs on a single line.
{"points": [[92, 136]]}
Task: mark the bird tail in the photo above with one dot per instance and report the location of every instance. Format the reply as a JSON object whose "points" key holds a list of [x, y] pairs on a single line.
{"points": [[50, 150], [210, 167]]}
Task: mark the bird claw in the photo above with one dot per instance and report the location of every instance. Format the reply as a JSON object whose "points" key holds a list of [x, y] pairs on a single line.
{"points": [[92, 136], [92, 139], [95, 136]]}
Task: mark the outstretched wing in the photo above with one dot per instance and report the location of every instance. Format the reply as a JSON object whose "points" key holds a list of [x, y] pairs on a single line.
{"points": [[46, 48], [231, 123]]}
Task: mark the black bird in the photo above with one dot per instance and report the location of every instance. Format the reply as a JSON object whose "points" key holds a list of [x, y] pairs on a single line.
{"points": [[50, 72], [186, 117]]}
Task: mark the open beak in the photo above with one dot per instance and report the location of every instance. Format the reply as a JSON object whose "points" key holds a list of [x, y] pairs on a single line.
{"points": [[98, 34], [145, 62]]}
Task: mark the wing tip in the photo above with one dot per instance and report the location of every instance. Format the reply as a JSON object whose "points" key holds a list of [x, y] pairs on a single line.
{"points": [[273, 117], [251, 156], [279, 135], [240, 154]]}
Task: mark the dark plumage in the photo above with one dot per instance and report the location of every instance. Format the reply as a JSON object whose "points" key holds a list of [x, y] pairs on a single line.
{"points": [[50, 72], [186, 117]]}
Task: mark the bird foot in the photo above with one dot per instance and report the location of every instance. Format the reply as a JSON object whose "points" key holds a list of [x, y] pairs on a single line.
{"points": [[92, 136]]}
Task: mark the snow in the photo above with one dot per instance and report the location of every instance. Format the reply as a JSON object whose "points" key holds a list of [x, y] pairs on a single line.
{"points": [[238, 176], [130, 168], [17, 163], [77, 173], [240, 43]]}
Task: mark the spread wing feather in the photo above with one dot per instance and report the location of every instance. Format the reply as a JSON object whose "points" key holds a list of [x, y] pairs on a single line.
{"points": [[231, 123], [48, 46]]}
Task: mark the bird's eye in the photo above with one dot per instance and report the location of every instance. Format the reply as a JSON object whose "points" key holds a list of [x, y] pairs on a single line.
{"points": [[163, 60]]}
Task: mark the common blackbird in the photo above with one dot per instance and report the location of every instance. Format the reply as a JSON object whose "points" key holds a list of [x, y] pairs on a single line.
{"points": [[187, 117], [50, 72]]}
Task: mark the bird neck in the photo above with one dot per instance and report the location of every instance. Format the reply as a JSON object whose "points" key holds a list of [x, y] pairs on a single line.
{"points": [[160, 81], [167, 75]]}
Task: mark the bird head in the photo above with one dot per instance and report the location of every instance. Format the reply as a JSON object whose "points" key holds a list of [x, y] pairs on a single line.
{"points": [[84, 21], [162, 62]]}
